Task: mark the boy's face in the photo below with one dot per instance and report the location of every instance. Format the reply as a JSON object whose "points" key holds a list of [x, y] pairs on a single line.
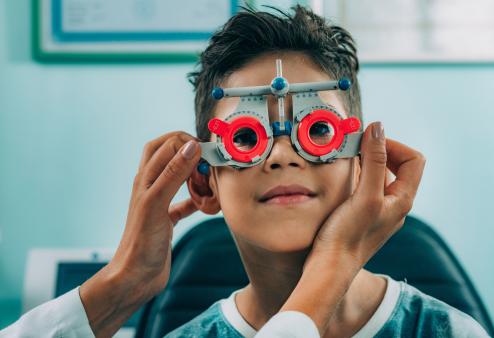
{"points": [[309, 192]]}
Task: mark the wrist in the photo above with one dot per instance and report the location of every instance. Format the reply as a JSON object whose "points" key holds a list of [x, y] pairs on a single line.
{"points": [[109, 298], [327, 259], [324, 282]]}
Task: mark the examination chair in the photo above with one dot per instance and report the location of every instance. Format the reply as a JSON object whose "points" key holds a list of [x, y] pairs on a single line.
{"points": [[206, 267]]}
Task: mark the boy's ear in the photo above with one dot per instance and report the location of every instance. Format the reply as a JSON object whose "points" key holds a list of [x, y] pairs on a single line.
{"points": [[201, 193]]}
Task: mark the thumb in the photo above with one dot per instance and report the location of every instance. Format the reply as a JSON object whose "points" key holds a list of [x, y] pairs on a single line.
{"points": [[373, 151], [177, 171]]}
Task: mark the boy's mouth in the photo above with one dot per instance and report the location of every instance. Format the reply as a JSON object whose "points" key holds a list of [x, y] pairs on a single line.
{"points": [[287, 194]]}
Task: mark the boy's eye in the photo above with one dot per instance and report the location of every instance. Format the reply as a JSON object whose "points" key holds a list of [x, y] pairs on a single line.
{"points": [[245, 139], [321, 133]]}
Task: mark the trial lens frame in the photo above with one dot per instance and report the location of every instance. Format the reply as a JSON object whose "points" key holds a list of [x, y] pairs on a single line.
{"points": [[309, 114]]}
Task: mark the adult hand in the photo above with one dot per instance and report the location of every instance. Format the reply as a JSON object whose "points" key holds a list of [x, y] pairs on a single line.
{"points": [[359, 226], [141, 265]]}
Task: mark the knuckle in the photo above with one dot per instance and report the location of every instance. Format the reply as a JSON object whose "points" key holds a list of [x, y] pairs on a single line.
{"points": [[378, 157], [136, 182], [173, 169], [146, 200], [177, 144], [173, 143], [148, 147], [185, 137], [404, 205], [373, 205], [421, 157]]}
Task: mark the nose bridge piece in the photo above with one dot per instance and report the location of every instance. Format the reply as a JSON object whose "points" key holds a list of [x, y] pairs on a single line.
{"points": [[279, 130]]}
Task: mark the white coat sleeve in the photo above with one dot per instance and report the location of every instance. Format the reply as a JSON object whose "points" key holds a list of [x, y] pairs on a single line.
{"points": [[289, 324], [61, 317]]}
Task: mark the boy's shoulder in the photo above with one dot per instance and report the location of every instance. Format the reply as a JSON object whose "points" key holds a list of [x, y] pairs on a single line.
{"points": [[404, 312], [210, 323], [419, 315]]}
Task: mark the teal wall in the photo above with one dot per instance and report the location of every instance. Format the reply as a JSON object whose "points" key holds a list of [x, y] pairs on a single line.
{"points": [[71, 138]]}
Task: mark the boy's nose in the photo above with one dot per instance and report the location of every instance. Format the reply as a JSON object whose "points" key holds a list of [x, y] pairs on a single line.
{"points": [[283, 155]]}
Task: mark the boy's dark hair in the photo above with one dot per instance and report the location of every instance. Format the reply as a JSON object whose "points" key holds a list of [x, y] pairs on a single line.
{"points": [[250, 33]]}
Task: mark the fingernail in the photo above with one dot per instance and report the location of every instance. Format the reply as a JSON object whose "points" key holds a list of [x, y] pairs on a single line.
{"points": [[189, 150], [378, 131]]}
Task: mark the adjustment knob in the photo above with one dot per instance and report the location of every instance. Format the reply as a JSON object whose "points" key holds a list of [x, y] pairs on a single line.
{"points": [[278, 83], [344, 84], [218, 93]]}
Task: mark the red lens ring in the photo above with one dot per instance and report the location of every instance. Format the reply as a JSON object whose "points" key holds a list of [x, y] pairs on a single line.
{"points": [[303, 132], [257, 150]]}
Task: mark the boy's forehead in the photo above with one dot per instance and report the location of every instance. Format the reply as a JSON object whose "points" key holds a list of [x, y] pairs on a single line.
{"points": [[297, 67]]}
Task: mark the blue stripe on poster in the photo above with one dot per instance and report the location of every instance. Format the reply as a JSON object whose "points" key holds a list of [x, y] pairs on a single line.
{"points": [[68, 37]]}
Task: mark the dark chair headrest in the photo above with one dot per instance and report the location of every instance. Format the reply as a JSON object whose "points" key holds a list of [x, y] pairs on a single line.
{"points": [[206, 267]]}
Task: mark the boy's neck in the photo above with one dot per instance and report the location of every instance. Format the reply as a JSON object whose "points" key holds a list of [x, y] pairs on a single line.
{"points": [[273, 277]]}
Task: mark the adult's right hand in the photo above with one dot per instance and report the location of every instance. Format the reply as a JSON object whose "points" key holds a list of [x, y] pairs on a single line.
{"points": [[140, 267]]}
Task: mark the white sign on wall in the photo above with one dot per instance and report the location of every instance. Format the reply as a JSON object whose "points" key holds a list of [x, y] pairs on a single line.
{"points": [[417, 30]]}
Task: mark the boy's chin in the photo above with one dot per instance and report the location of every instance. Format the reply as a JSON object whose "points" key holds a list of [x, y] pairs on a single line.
{"points": [[283, 238]]}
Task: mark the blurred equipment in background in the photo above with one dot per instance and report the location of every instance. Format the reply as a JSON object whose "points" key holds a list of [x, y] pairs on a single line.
{"points": [[53, 272]]}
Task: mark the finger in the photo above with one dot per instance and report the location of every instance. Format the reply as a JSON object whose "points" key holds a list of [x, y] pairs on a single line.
{"points": [[176, 171], [157, 163], [398, 153], [181, 210], [373, 152], [408, 166], [151, 147]]}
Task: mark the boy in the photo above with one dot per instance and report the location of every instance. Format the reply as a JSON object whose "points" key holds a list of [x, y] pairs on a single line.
{"points": [[275, 210], [304, 231]]}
